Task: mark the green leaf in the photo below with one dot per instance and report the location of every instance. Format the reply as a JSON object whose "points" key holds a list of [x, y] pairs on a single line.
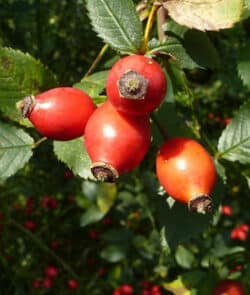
{"points": [[180, 224], [184, 257], [15, 150], [107, 193], [244, 65], [170, 122], [200, 49], [246, 12], [117, 23], [118, 236], [114, 253], [174, 29], [94, 86], [177, 287], [204, 15], [20, 75], [234, 143], [92, 215], [74, 155], [175, 49]]}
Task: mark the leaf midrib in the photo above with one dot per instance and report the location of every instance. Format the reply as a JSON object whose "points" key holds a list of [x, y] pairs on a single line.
{"points": [[15, 147], [123, 32], [234, 147]]}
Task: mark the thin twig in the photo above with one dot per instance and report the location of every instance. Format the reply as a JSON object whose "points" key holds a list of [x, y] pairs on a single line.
{"points": [[97, 60]]}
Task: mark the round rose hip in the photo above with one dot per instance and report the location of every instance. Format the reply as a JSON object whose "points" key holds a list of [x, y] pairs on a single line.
{"points": [[136, 85]]}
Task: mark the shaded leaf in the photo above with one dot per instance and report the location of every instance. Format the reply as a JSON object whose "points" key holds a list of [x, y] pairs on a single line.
{"points": [[117, 23], [179, 223], [200, 49], [15, 149], [118, 236], [246, 12], [107, 193], [92, 215], [20, 75], [184, 257], [94, 85], [74, 155], [174, 48], [210, 15], [170, 122], [234, 143], [244, 65], [113, 253]]}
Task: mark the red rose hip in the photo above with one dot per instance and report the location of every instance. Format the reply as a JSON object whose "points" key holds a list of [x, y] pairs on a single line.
{"points": [[187, 172], [116, 143], [60, 113], [229, 287], [136, 85]]}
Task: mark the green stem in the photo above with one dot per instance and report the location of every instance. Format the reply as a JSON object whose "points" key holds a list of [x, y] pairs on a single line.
{"points": [[36, 144], [42, 246], [148, 28], [97, 60]]}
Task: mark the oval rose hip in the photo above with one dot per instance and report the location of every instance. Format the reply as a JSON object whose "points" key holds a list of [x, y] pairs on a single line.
{"points": [[187, 172], [59, 113], [116, 143], [136, 85], [229, 287]]}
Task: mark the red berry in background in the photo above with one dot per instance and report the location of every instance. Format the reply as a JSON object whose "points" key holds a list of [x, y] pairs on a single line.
{"points": [[47, 283], [136, 85], [60, 113], [102, 271], [68, 174], [126, 289], [49, 202], [36, 284], [117, 292], [229, 287], [145, 285], [240, 232], [116, 143], [29, 224], [155, 289], [54, 244], [227, 121], [244, 227], [187, 172], [73, 284], [29, 206], [107, 221], [93, 234], [51, 271], [226, 210], [210, 115]]}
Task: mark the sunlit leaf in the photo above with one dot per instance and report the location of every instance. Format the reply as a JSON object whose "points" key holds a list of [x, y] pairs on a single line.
{"points": [[20, 75], [74, 155], [15, 149], [234, 143], [210, 15], [117, 23]]}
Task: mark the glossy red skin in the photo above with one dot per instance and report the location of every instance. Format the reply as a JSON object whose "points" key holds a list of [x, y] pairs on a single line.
{"points": [[185, 169], [229, 287], [116, 139], [156, 90], [61, 113]]}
